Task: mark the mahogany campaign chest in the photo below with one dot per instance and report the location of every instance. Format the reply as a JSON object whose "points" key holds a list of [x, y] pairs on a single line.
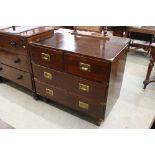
{"points": [[82, 73]]}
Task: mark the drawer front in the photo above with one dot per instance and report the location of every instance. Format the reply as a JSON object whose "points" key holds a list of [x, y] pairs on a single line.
{"points": [[89, 107], [19, 77], [49, 76], [13, 43], [71, 83], [88, 89], [18, 61], [47, 57], [88, 68], [51, 92]]}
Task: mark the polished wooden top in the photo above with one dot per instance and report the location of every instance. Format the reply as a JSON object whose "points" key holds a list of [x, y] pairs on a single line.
{"points": [[142, 29], [102, 49], [26, 31]]}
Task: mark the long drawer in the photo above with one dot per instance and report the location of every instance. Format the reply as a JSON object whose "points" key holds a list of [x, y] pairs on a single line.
{"points": [[13, 43], [15, 60], [47, 57], [19, 77], [71, 83], [88, 106], [88, 68]]}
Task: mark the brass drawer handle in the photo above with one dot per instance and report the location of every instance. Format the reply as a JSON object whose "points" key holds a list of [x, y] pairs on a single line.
{"points": [[13, 44], [83, 87], [83, 105], [20, 77], [45, 56], [49, 92], [17, 60], [47, 75], [85, 67]]}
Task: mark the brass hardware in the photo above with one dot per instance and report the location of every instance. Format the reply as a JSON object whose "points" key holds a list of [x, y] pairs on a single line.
{"points": [[85, 67], [35, 79], [45, 56], [47, 75], [49, 91], [83, 105], [83, 87], [20, 77], [17, 60]]}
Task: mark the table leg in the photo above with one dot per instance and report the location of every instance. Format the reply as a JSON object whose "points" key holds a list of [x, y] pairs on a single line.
{"points": [[150, 67]]}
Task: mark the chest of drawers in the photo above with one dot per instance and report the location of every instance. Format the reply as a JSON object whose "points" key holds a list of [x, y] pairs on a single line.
{"points": [[15, 62], [84, 74]]}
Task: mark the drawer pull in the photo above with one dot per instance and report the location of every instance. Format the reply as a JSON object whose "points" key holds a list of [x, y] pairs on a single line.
{"points": [[47, 75], [1, 68], [20, 77], [49, 91], [85, 67], [13, 44], [45, 56], [17, 60], [83, 105], [83, 87]]}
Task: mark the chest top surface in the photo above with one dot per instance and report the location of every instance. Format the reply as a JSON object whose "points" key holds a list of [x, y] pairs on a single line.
{"points": [[102, 49], [25, 31]]}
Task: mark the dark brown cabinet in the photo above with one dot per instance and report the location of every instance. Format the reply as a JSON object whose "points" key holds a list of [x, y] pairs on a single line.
{"points": [[84, 74], [15, 62]]}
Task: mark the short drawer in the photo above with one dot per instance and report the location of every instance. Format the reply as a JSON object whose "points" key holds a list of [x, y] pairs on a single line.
{"points": [[18, 61], [47, 57], [88, 68], [87, 106], [13, 43], [17, 76]]}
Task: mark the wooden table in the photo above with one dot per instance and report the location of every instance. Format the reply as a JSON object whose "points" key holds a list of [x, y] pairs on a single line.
{"points": [[142, 29], [149, 79]]}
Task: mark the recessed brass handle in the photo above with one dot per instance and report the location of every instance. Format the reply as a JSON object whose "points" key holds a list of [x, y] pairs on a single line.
{"points": [[83, 105], [47, 75], [49, 92], [85, 67], [45, 56], [83, 87]]}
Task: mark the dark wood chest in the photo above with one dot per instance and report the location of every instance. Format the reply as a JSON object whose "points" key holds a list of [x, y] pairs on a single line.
{"points": [[84, 74], [15, 62]]}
